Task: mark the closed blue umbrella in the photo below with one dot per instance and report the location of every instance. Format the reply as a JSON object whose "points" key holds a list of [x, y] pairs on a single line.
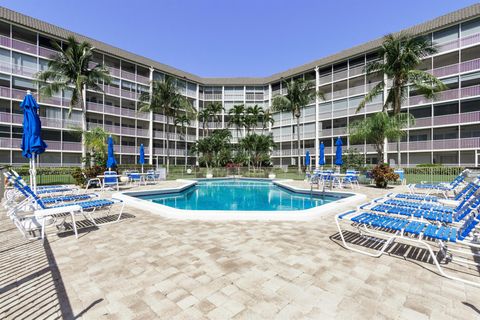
{"points": [[338, 152], [141, 160], [32, 142], [321, 161], [111, 162], [307, 159]]}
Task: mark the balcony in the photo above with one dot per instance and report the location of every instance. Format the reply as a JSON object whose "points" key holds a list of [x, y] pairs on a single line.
{"points": [[128, 112], [69, 124], [325, 79], [128, 94], [445, 144], [339, 131], [72, 146], [142, 79], [352, 91], [113, 129], [470, 143], [114, 71], [5, 41], [159, 134], [23, 71], [54, 145], [142, 132], [93, 106], [341, 74], [5, 117], [355, 71], [143, 115], [470, 117], [445, 119], [159, 117], [46, 53], [128, 75], [462, 42], [340, 93], [51, 122], [56, 101], [127, 130], [422, 122], [113, 110], [111, 90], [325, 132], [24, 46], [420, 145], [128, 149], [470, 91]]}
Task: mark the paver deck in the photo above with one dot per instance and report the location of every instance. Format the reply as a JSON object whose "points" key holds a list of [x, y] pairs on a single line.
{"points": [[148, 267]]}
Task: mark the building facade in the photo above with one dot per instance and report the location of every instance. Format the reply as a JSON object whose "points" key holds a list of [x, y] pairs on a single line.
{"points": [[446, 130]]}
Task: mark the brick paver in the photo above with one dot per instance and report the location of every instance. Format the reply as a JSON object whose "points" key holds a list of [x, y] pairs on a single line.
{"points": [[148, 267]]}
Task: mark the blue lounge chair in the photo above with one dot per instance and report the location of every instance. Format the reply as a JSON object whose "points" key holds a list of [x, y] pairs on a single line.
{"points": [[429, 198], [86, 208], [110, 180], [442, 188], [450, 239]]}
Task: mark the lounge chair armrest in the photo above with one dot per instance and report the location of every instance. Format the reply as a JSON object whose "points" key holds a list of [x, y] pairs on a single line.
{"points": [[116, 200], [346, 213], [363, 206], [57, 210]]}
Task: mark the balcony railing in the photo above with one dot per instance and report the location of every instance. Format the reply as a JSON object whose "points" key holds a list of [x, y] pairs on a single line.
{"points": [[342, 74], [129, 131], [142, 79], [128, 94], [445, 119], [112, 90], [47, 53], [72, 146], [128, 75], [23, 70], [57, 101], [114, 71], [356, 90], [468, 143], [128, 112], [114, 110], [93, 106], [113, 129], [24, 46], [470, 117], [355, 71], [128, 149], [142, 132], [422, 122]]}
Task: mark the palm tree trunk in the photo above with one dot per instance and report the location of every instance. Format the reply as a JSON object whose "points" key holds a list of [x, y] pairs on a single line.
{"points": [[167, 132], [185, 151], [84, 125], [298, 146]]}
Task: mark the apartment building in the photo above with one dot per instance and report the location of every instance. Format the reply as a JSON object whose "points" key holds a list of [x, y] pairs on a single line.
{"points": [[446, 130]]}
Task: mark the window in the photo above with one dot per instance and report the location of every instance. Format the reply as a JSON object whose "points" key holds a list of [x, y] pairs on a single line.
{"points": [[470, 27]]}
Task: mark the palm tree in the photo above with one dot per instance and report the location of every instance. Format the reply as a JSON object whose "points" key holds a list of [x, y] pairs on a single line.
{"points": [[253, 115], [96, 142], [165, 99], [203, 117], [258, 148], [215, 108], [237, 118], [71, 69], [183, 121], [402, 55], [300, 93], [378, 127], [267, 118]]}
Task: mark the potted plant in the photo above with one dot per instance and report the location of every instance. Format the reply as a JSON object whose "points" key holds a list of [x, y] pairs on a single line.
{"points": [[382, 174]]}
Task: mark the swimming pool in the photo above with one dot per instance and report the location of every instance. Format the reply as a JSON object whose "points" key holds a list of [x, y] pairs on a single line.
{"points": [[239, 194], [239, 199]]}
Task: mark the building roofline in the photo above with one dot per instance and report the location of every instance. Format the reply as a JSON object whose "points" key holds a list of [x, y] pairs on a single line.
{"points": [[457, 16]]}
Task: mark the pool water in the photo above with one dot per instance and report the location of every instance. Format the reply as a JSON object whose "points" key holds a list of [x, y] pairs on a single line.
{"points": [[241, 195]]}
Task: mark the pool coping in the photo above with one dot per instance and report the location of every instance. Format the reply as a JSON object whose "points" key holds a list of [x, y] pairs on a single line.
{"points": [[230, 215]]}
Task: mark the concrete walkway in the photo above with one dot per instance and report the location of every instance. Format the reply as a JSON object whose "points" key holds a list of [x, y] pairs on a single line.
{"points": [[148, 267]]}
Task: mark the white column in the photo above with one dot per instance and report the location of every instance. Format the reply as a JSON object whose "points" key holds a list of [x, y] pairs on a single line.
{"points": [[317, 138], [197, 96], [150, 123], [385, 90]]}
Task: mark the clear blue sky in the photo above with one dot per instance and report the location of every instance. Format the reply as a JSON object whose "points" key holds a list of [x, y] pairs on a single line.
{"points": [[215, 38]]}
